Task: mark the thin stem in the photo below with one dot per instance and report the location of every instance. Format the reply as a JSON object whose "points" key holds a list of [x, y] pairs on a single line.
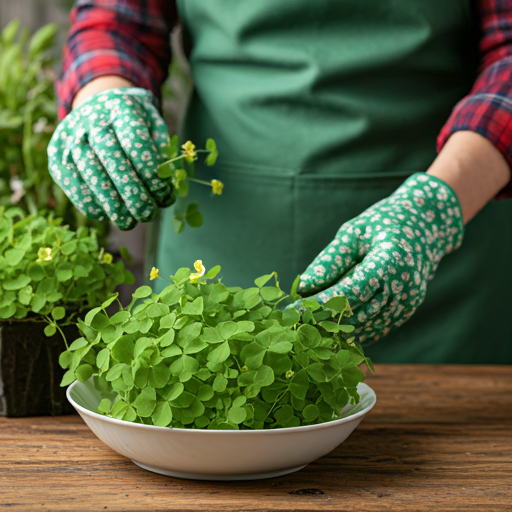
{"points": [[202, 182]]}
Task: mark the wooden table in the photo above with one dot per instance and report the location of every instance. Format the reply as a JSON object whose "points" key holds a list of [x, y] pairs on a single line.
{"points": [[439, 438]]}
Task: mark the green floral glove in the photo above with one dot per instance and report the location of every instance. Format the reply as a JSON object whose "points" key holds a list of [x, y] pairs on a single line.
{"points": [[104, 156], [381, 260]]}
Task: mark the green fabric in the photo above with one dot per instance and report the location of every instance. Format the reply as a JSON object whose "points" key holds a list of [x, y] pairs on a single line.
{"points": [[104, 157], [320, 110], [396, 246]]}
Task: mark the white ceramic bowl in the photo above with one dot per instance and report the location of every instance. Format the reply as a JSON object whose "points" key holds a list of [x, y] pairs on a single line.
{"points": [[218, 454]]}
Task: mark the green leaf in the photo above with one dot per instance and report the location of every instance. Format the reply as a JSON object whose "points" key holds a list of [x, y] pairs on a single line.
{"points": [[167, 338], [162, 414], [90, 316], [293, 293], [284, 413], [37, 302], [159, 376], [290, 317], [172, 391], [65, 359], [310, 412], [157, 310], [78, 343], [237, 415], [194, 308], [103, 359], [58, 313], [227, 329], [309, 336], [142, 292], [14, 256], [264, 376], [120, 317], [68, 378], [84, 372], [115, 372], [104, 406], [64, 275], [219, 384], [123, 349], [177, 224], [145, 403], [80, 271], [49, 330], [167, 321], [69, 247], [337, 304], [35, 272], [16, 283], [194, 218], [25, 295], [166, 170], [42, 39], [109, 301], [252, 355], [213, 272], [220, 353], [263, 280], [205, 393], [312, 305], [299, 384]]}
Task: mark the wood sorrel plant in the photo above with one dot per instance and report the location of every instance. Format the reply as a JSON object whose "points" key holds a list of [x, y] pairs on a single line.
{"points": [[51, 274], [203, 355], [179, 170]]}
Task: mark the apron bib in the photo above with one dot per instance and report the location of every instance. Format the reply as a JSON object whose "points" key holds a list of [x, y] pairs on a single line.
{"points": [[319, 110]]}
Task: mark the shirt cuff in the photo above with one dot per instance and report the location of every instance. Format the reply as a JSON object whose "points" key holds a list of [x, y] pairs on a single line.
{"points": [[95, 64], [488, 114]]}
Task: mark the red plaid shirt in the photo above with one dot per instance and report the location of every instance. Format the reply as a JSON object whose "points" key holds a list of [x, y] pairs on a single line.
{"points": [[130, 38]]}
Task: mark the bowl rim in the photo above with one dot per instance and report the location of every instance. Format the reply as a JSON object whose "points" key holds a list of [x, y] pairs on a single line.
{"points": [[197, 431]]}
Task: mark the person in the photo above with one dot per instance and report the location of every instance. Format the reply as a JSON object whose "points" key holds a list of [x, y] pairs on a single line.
{"points": [[325, 114]]}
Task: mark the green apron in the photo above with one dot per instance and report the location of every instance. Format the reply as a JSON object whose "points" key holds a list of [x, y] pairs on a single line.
{"points": [[320, 109]]}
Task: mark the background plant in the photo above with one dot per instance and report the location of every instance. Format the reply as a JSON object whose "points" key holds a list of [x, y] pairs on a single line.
{"points": [[28, 117], [202, 355], [49, 273]]}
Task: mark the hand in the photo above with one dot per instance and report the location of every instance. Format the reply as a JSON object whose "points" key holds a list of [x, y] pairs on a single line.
{"points": [[381, 260], [104, 155]]}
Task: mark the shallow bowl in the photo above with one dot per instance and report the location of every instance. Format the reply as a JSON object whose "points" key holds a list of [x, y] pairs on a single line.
{"points": [[218, 454]]}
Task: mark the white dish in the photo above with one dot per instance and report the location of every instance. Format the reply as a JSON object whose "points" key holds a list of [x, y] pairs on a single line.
{"points": [[218, 454]]}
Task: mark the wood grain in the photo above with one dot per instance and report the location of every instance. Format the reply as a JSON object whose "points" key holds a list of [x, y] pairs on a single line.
{"points": [[439, 438]]}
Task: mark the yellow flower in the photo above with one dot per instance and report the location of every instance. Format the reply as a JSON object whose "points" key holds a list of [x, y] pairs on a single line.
{"points": [[107, 258], [217, 187], [244, 368], [289, 374], [154, 274], [198, 265], [189, 150], [44, 254]]}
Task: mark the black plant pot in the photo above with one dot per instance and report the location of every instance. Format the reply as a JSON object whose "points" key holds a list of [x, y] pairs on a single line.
{"points": [[30, 373]]}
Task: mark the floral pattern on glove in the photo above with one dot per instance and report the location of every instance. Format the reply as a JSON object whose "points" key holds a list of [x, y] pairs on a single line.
{"points": [[105, 156], [382, 260]]}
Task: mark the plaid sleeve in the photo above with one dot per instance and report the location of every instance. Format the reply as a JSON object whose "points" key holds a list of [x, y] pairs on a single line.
{"points": [[127, 38], [487, 109]]}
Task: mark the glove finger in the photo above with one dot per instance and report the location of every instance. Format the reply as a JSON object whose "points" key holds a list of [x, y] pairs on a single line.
{"points": [[64, 172], [137, 199], [331, 264], [139, 147], [101, 186], [157, 127]]}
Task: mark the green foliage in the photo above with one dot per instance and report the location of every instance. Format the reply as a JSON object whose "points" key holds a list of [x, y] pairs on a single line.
{"points": [[178, 169], [202, 355], [28, 117], [50, 273]]}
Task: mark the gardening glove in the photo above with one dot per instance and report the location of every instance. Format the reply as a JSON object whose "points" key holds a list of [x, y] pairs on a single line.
{"points": [[382, 260], [105, 155]]}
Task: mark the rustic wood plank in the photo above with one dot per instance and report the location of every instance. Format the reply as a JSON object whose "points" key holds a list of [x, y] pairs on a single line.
{"points": [[440, 437]]}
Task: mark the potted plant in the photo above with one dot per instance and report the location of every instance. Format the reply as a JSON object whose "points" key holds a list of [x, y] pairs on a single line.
{"points": [[49, 276], [202, 355]]}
